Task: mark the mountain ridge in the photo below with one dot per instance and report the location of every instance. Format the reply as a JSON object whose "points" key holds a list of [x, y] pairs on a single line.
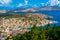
{"points": [[44, 8]]}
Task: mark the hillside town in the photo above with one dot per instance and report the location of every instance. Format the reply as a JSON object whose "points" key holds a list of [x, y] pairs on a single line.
{"points": [[19, 25]]}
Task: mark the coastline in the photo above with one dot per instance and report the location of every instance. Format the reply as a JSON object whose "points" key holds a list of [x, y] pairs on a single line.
{"points": [[14, 25]]}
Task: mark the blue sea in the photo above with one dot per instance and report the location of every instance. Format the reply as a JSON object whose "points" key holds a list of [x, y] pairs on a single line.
{"points": [[55, 14]]}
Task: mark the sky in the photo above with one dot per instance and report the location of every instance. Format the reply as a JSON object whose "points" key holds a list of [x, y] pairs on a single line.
{"points": [[13, 4]]}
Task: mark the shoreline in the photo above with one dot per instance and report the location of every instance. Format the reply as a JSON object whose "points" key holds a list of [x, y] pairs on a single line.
{"points": [[14, 25], [31, 19]]}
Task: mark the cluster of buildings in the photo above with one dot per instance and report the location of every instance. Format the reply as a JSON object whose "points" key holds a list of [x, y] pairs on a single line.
{"points": [[19, 25]]}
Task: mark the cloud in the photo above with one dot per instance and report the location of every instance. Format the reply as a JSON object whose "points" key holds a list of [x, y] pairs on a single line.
{"points": [[20, 4], [53, 2], [5, 2], [1, 5], [34, 6], [43, 4], [26, 2]]}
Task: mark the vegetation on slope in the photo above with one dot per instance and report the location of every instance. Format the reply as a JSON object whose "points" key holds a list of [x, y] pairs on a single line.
{"points": [[43, 33]]}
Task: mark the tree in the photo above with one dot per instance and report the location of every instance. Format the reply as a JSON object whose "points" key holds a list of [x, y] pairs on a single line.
{"points": [[42, 34], [48, 29], [17, 37], [0, 33]]}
